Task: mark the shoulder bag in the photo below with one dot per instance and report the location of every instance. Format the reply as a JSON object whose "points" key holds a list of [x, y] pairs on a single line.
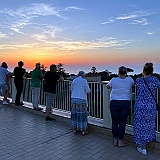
{"points": [[157, 105]]}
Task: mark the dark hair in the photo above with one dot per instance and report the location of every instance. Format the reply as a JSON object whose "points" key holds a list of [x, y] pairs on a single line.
{"points": [[122, 70], [4, 65], [20, 63], [52, 66], [148, 68]]}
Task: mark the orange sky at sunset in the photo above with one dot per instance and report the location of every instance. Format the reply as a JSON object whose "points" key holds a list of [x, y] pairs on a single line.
{"points": [[69, 32]]}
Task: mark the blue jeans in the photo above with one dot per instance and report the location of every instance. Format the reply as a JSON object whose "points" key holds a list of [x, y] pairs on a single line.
{"points": [[120, 110]]}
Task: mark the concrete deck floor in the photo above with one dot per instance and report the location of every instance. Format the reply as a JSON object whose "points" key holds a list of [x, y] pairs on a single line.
{"points": [[25, 136]]}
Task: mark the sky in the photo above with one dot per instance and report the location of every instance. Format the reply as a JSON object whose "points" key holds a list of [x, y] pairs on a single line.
{"points": [[80, 33]]}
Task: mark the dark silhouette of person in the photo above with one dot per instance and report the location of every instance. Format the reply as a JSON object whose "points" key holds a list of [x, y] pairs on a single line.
{"points": [[18, 81]]}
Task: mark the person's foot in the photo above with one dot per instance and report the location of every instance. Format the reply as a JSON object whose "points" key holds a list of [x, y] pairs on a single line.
{"points": [[37, 109], [122, 144], [84, 133], [49, 119], [142, 150], [5, 102], [19, 104], [115, 142], [8, 100]]}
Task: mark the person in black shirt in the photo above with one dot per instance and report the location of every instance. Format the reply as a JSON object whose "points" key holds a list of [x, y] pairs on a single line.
{"points": [[50, 81], [18, 81]]}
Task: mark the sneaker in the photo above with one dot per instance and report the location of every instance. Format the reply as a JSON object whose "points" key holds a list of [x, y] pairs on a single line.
{"points": [[143, 151], [5, 102], [49, 119]]}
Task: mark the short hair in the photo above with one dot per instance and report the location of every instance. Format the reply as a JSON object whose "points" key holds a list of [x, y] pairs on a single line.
{"points": [[4, 65], [20, 63], [52, 66], [81, 73], [148, 68], [122, 70], [38, 65]]}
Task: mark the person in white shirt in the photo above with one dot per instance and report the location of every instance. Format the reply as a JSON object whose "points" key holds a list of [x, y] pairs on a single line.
{"points": [[79, 114], [120, 104], [4, 73]]}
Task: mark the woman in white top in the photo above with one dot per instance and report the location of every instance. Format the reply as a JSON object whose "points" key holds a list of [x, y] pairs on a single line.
{"points": [[120, 104], [79, 90]]}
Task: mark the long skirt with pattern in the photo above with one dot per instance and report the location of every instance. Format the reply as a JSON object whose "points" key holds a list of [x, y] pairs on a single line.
{"points": [[79, 114], [145, 112]]}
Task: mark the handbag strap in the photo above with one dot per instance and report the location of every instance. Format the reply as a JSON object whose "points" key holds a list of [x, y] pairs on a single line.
{"points": [[149, 90]]}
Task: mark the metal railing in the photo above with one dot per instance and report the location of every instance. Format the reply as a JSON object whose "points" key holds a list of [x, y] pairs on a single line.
{"points": [[98, 100]]}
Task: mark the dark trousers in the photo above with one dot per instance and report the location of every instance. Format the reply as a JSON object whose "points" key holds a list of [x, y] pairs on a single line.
{"points": [[19, 87], [120, 110]]}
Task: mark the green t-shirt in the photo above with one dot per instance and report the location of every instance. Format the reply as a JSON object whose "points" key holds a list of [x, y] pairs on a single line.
{"points": [[35, 75]]}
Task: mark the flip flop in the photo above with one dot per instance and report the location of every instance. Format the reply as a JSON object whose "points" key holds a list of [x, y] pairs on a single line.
{"points": [[124, 145]]}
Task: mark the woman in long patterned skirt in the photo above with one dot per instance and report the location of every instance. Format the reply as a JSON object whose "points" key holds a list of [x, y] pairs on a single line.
{"points": [[79, 89], [145, 109]]}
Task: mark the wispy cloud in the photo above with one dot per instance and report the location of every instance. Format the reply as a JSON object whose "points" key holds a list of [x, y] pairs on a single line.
{"points": [[74, 8], [133, 17], [15, 46], [111, 20], [2, 35], [150, 33], [88, 45], [21, 17], [142, 21], [136, 14]]}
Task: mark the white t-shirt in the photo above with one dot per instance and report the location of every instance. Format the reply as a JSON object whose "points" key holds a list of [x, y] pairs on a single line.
{"points": [[79, 88], [121, 88], [3, 73]]}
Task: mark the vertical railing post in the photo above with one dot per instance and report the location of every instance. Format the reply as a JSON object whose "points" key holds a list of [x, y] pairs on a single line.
{"points": [[106, 111]]}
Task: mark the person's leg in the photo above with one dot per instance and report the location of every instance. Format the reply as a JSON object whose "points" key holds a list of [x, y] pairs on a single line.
{"points": [[33, 97], [85, 119], [5, 90], [49, 101], [124, 112], [37, 93], [19, 87], [115, 119]]}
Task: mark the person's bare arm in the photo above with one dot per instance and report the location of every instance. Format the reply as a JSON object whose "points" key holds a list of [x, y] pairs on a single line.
{"points": [[108, 86]]}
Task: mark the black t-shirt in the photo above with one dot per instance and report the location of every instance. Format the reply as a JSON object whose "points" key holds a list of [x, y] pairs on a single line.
{"points": [[50, 81], [19, 73]]}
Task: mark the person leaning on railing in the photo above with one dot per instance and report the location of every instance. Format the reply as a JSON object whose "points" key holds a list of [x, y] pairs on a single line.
{"points": [[4, 74], [37, 77], [79, 114], [120, 104], [145, 108], [50, 82], [18, 81]]}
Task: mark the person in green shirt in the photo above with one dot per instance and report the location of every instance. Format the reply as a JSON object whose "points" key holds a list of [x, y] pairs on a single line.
{"points": [[37, 77]]}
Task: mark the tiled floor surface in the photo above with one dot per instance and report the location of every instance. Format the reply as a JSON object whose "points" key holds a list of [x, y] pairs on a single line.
{"points": [[25, 136]]}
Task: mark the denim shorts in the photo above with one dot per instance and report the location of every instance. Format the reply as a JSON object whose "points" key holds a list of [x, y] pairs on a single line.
{"points": [[3, 87], [49, 99]]}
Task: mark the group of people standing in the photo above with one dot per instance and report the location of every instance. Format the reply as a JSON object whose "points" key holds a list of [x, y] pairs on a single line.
{"points": [[50, 80], [144, 108], [120, 100]]}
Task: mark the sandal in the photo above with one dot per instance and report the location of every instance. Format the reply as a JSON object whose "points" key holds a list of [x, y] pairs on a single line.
{"points": [[75, 131], [84, 133], [115, 143], [124, 145]]}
